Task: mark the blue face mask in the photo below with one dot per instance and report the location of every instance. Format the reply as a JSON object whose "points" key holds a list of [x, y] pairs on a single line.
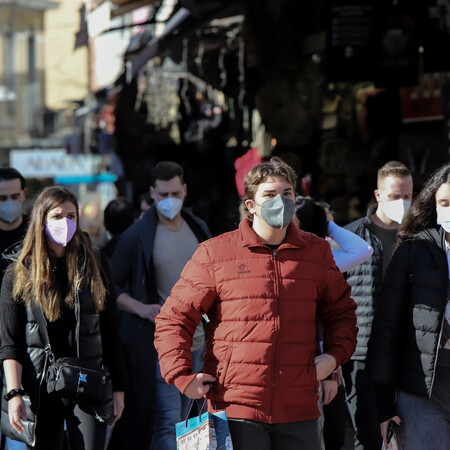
{"points": [[10, 210], [278, 211], [443, 217], [169, 207]]}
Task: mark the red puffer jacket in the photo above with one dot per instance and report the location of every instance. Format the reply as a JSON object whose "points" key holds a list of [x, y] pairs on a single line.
{"points": [[262, 306]]}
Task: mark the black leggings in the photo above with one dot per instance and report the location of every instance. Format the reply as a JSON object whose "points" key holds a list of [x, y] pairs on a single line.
{"points": [[84, 432]]}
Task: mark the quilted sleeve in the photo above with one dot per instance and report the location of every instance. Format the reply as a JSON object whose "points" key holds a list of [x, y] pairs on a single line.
{"points": [[336, 312], [192, 296]]}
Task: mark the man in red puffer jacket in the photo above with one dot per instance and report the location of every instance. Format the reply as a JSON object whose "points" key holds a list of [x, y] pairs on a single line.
{"points": [[262, 287]]}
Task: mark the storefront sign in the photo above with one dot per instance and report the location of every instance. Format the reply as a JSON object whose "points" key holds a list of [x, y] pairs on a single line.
{"points": [[36, 163]]}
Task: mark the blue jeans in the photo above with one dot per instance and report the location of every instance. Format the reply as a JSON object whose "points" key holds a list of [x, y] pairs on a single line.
{"points": [[425, 424], [14, 445], [170, 407]]}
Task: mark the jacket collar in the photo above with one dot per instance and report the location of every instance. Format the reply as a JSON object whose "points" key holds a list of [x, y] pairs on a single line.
{"points": [[435, 235], [295, 238], [368, 219], [146, 228]]}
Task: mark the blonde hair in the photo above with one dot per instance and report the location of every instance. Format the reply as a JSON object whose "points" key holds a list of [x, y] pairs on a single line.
{"points": [[34, 280], [259, 174]]}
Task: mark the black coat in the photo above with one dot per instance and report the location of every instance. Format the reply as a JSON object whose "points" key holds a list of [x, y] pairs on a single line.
{"points": [[409, 314]]}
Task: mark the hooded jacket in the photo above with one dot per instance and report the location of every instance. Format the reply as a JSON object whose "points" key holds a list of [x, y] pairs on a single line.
{"points": [[261, 338], [409, 315]]}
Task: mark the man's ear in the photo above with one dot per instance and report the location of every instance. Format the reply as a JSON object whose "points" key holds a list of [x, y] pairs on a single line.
{"points": [[250, 206], [24, 192], [152, 192], [377, 195]]}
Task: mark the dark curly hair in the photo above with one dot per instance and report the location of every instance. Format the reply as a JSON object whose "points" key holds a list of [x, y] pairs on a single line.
{"points": [[422, 214]]}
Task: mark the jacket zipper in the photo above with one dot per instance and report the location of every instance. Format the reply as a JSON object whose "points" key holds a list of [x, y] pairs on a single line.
{"points": [[77, 326], [440, 332], [436, 356], [439, 339], [277, 327]]}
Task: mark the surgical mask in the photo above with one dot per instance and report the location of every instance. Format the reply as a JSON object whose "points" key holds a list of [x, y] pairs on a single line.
{"points": [[61, 231], [169, 207], [396, 209], [443, 217], [278, 211], [10, 210]]}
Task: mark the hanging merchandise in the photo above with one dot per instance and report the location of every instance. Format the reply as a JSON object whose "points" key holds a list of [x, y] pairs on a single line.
{"points": [[349, 40], [205, 117], [396, 53], [435, 35], [158, 88], [290, 108]]}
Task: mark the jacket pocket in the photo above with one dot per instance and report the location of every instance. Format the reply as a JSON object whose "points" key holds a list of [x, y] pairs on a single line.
{"points": [[223, 366]]}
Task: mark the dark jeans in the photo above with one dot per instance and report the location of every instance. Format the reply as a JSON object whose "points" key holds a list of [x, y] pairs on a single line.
{"points": [[134, 429], [84, 432], [360, 398], [425, 423], [249, 435], [334, 423]]}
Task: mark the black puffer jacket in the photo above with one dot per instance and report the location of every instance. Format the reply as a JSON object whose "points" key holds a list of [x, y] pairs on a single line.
{"points": [[409, 314], [87, 328], [365, 280], [22, 340]]}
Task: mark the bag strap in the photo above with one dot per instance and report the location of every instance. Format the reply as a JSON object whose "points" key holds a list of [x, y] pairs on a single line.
{"points": [[211, 389], [42, 326]]}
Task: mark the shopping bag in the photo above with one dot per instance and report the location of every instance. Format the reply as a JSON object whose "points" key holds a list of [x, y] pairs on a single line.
{"points": [[207, 431]]}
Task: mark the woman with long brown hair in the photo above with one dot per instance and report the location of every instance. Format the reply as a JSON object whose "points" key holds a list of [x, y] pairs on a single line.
{"points": [[58, 271]]}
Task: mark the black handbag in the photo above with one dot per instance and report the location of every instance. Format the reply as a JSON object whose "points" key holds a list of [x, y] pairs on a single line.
{"points": [[79, 381], [85, 383]]}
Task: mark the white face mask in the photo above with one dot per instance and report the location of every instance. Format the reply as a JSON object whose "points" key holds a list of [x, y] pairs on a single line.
{"points": [[169, 207], [443, 217], [396, 209]]}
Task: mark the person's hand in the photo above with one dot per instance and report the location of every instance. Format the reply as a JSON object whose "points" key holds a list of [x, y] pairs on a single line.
{"points": [[119, 404], [330, 217], [329, 389], [325, 364], [17, 412], [384, 428], [199, 387], [148, 311]]}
